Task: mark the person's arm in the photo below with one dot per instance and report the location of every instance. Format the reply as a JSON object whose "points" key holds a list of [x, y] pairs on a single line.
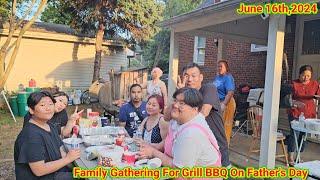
{"points": [[159, 146], [63, 152], [141, 126], [149, 151], [164, 126], [166, 160], [228, 97], [66, 130], [205, 110], [144, 85], [210, 99], [230, 87], [167, 113], [164, 92], [41, 168], [122, 116]]}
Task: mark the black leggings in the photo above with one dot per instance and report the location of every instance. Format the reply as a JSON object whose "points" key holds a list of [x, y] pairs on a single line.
{"points": [[290, 138]]}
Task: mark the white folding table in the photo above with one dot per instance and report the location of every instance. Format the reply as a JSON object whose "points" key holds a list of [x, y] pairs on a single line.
{"points": [[304, 138]]}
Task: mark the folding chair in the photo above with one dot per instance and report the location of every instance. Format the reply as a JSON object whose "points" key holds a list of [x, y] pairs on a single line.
{"points": [[255, 117]]}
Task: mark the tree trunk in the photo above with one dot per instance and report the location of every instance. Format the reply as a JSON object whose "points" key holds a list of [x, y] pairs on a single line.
{"points": [[96, 67], [97, 59], [157, 56]]}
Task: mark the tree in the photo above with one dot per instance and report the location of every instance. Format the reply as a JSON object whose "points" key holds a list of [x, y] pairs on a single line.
{"points": [[16, 26], [4, 10], [132, 20], [156, 52]]}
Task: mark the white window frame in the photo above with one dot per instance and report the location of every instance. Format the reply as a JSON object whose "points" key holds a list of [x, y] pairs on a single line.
{"points": [[258, 48], [196, 48]]}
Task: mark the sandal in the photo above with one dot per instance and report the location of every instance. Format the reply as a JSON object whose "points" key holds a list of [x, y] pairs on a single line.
{"points": [[291, 164]]}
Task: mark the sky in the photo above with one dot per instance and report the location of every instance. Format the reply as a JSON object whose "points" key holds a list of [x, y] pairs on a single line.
{"points": [[24, 6]]}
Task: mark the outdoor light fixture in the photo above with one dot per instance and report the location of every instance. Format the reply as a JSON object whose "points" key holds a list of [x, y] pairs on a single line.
{"points": [[216, 42], [264, 16]]}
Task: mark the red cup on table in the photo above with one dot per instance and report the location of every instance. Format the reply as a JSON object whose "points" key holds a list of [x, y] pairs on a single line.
{"points": [[129, 157], [119, 141]]}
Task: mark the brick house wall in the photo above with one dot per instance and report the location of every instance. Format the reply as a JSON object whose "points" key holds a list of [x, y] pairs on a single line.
{"points": [[246, 66]]}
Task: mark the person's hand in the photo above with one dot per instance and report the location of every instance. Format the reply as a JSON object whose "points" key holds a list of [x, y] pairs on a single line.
{"points": [[181, 83], [223, 106], [146, 151], [298, 104], [75, 116], [73, 154]]}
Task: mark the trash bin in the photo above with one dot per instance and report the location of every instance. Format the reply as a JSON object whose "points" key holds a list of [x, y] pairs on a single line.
{"points": [[22, 103], [14, 105], [32, 89]]}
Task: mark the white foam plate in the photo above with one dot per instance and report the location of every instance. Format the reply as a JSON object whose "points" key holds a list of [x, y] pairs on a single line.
{"points": [[72, 140], [154, 163], [141, 162], [94, 149]]}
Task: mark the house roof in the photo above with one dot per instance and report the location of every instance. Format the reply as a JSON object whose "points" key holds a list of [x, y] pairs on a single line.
{"points": [[209, 7], [60, 32], [206, 3], [206, 7]]}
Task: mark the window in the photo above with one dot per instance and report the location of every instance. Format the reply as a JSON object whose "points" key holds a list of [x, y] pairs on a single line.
{"points": [[311, 37], [199, 50], [258, 48]]}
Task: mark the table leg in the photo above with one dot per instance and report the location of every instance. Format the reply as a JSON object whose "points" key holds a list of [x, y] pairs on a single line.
{"points": [[296, 143], [304, 137]]}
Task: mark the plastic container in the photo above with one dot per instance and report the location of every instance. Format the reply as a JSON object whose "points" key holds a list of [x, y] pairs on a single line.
{"points": [[32, 83], [104, 121], [32, 89], [22, 103], [14, 105], [95, 119]]}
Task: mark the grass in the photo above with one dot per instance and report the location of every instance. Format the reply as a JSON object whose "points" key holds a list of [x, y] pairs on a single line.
{"points": [[8, 133]]}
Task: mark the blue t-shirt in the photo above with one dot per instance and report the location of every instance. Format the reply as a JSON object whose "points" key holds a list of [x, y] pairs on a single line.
{"points": [[224, 83], [128, 114]]}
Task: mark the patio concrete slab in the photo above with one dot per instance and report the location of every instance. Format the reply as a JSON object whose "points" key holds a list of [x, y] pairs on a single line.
{"points": [[240, 144]]}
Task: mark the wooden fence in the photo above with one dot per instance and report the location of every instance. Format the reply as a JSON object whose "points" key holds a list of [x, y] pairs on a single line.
{"points": [[122, 80]]}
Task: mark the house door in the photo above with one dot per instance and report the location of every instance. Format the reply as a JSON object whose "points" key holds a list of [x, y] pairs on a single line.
{"points": [[308, 44]]}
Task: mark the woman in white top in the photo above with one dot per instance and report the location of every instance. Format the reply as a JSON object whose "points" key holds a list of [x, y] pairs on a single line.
{"points": [[156, 86]]}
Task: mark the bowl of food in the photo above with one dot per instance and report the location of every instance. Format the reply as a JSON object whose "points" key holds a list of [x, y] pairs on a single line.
{"points": [[110, 156]]}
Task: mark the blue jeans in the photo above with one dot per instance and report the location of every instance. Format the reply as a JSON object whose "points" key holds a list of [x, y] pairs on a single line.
{"points": [[290, 138]]}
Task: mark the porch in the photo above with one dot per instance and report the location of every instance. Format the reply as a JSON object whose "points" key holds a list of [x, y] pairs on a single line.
{"points": [[221, 19]]}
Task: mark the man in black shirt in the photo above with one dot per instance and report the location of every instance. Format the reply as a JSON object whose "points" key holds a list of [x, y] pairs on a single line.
{"points": [[193, 78]]}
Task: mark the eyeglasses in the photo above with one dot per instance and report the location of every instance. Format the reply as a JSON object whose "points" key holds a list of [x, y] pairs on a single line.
{"points": [[180, 102]]}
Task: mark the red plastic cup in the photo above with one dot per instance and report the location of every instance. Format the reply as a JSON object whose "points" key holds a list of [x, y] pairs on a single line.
{"points": [[129, 157], [119, 141]]}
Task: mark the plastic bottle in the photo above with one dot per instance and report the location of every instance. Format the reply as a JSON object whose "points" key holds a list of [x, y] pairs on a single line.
{"points": [[302, 119], [112, 123]]}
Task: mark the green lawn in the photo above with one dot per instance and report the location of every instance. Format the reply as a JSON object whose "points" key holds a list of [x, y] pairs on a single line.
{"points": [[8, 134]]}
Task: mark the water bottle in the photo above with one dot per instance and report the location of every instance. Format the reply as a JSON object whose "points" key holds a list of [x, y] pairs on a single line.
{"points": [[302, 120], [112, 123]]}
